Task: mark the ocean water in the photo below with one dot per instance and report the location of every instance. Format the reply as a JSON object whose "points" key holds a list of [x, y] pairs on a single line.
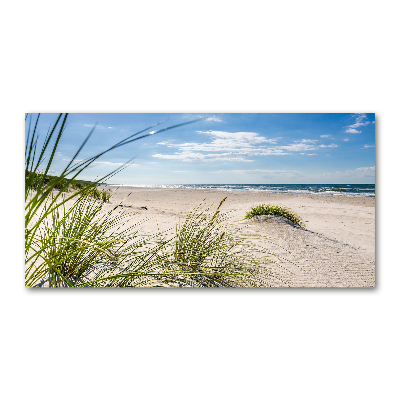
{"points": [[366, 190]]}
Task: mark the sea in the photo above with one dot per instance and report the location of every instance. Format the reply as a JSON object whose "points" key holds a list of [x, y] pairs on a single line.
{"points": [[364, 190]]}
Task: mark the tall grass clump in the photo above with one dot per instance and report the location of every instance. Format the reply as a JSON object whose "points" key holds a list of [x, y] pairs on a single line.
{"points": [[205, 253], [35, 180], [103, 195], [71, 241], [269, 209]]}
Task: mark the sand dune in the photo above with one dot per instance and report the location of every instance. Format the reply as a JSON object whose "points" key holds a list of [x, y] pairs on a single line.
{"points": [[336, 248]]}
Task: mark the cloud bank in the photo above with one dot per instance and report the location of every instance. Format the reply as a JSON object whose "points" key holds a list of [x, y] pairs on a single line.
{"points": [[234, 146]]}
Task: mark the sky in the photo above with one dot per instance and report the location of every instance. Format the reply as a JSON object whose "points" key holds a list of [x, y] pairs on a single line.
{"points": [[222, 148]]}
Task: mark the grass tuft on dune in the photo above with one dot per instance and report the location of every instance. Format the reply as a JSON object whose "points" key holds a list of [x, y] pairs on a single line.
{"points": [[280, 211]]}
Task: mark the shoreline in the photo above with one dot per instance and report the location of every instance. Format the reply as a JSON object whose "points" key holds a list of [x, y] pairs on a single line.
{"points": [[230, 188], [368, 201]]}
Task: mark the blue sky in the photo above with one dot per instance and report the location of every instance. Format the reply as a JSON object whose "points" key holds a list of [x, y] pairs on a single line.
{"points": [[225, 148]]}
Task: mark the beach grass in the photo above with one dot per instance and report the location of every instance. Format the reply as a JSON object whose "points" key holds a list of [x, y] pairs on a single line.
{"points": [[70, 241], [33, 180], [270, 209], [73, 240], [209, 252]]}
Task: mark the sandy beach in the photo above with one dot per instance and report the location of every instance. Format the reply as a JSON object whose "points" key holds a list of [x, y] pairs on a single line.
{"points": [[336, 248]]}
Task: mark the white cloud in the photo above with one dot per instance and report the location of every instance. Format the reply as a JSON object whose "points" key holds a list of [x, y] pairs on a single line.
{"points": [[306, 141], [190, 156], [234, 146], [114, 164], [352, 130], [346, 140], [325, 136], [367, 146], [240, 137], [268, 172], [224, 146], [297, 147], [98, 126], [361, 172], [329, 145], [360, 120], [214, 118]]}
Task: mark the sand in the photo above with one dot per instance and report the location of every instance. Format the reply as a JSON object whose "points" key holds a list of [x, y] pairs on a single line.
{"points": [[335, 249]]}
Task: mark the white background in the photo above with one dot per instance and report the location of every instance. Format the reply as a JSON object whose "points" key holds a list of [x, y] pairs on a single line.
{"points": [[209, 56]]}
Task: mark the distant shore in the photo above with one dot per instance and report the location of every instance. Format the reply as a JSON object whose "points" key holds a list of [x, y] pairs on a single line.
{"points": [[336, 248], [343, 189]]}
